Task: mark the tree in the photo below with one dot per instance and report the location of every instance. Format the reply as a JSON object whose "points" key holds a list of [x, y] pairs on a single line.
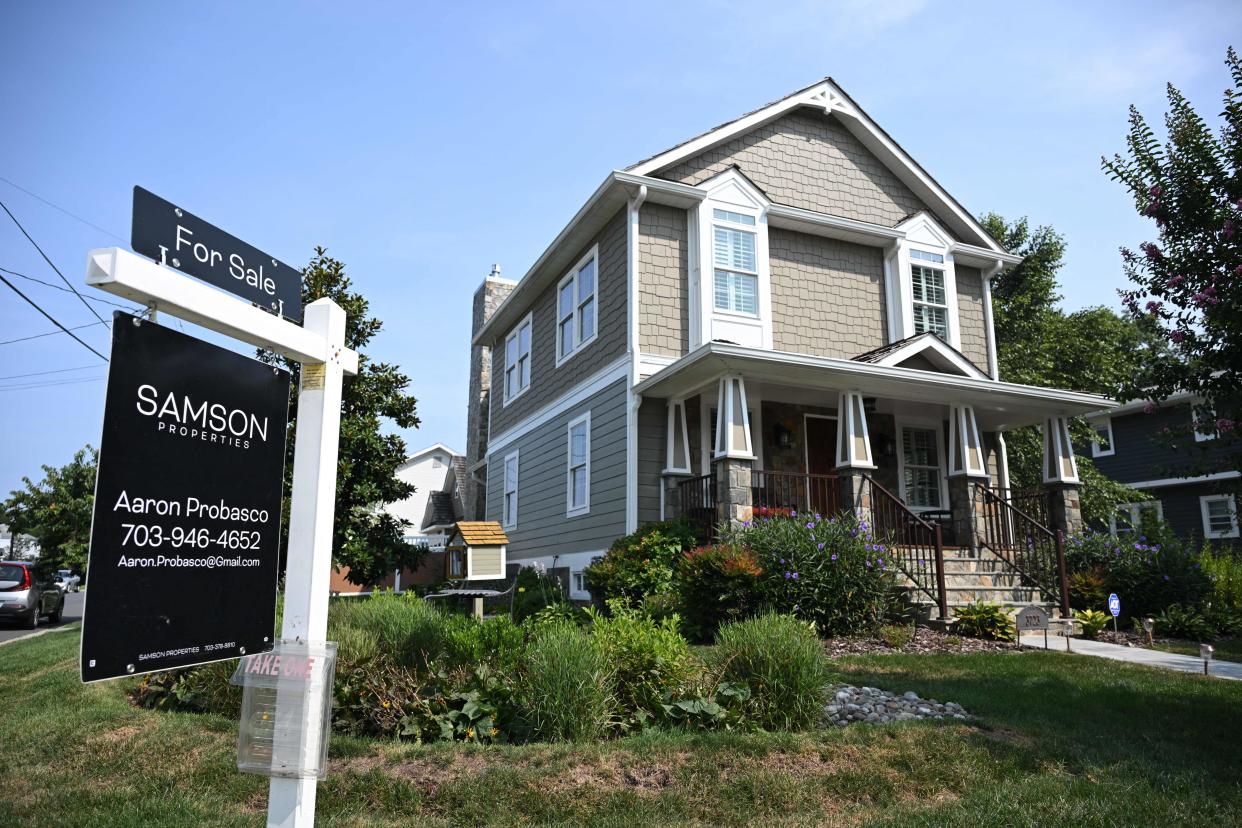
{"points": [[366, 539], [1188, 283], [1092, 350], [56, 511]]}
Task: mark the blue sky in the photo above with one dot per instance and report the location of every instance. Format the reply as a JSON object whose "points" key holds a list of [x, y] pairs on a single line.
{"points": [[422, 142]]}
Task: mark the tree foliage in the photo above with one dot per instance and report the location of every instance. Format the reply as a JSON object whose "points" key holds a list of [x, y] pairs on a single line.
{"points": [[366, 539], [56, 511], [1188, 283], [1037, 343]]}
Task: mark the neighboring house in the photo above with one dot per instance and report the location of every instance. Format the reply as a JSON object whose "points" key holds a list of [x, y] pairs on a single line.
{"points": [[1159, 450], [17, 547], [786, 311]]}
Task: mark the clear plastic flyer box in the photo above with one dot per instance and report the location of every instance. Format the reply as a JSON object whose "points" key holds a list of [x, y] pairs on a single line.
{"points": [[286, 710]]}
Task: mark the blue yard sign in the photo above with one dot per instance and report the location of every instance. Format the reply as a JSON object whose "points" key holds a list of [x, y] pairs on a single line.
{"points": [[1114, 605]]}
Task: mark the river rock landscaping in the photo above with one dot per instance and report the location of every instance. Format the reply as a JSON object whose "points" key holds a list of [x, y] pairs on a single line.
{"points": [[848, 704]]}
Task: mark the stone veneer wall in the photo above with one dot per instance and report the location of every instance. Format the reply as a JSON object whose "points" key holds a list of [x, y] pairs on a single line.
{"points": [[486, 299]]}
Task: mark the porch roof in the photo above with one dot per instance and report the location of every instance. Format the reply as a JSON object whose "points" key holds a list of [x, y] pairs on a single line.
{"points": [[998, 405]]}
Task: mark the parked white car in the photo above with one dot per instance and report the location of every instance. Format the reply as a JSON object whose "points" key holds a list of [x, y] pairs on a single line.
{"points": [[67, 581]]}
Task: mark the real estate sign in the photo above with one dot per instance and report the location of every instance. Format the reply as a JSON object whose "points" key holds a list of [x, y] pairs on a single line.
{"points": [[184, 551]]}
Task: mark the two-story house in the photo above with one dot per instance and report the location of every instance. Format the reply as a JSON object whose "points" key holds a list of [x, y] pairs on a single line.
{"points": [[785, 312], [1163, 452]]}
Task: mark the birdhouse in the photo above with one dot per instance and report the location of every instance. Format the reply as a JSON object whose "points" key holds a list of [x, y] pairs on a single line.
{"points": [[476, 551]]}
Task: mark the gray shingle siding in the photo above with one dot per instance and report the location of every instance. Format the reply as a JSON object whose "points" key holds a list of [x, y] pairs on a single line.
{"points": [[971, 323], [808, 159], [542, 527], [547, 381], [827, 295], [652, 429], [663, 289]]}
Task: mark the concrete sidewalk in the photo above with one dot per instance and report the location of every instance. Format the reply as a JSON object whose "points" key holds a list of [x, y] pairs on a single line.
{"points": [[1137, 655]]}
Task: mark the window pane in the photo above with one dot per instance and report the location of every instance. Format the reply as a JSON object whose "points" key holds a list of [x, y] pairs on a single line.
{"points": [[1220, 517], [920, 447], [511, 351], [729, 215], [586, 280], [925, 256], [928, 285], [736, 292], [1101, 438], [586, 320], [510, 379], [524, 372], [566, 301], [722, 290], [578, 444], [511, 471], [923, 488], [734, 249], [524, 339], [567, 336], [579, 487], [927, 318]]}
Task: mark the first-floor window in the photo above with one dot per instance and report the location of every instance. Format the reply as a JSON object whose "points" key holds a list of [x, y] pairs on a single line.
{"points": [[1132, 517], [511, 491], [921, 461], [931, 307], [579, 472], [1220, 516], [579, 582]]}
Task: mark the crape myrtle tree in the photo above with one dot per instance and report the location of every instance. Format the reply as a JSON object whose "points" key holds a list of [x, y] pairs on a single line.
{"points": [[1037, 343], [1188, 282], [365, 538], [56, 511]]}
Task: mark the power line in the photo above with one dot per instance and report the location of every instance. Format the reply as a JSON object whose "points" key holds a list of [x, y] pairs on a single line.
{"points": [[49, 333], [63, 210], [41, 373], [65, 289], [34, 385], [52, 319], [54, 267]]}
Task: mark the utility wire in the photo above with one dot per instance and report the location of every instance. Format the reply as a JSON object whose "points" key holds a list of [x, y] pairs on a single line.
{"points": [[52, 319], [57, 371], [49, 333], [65, 289], [33, 385], [54, 267], [63, 210]]}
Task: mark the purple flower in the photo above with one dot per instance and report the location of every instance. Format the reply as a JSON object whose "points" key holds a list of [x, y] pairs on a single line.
{"points": [[782, 560], [795, 576], [818, 516], [1155, 191], [1176, 280], [786, 576], [868, 564], [793, 512], [1166, 577], [820, 547], [1151, 251], [834, 556], [1178, 336], [1154, 306], [810, 524]]}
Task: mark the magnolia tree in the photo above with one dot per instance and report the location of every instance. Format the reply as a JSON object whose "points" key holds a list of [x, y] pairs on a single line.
{"points": [[1188, 282]]}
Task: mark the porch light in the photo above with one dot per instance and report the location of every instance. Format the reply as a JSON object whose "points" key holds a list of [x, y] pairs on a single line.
{"points": [[1205, 653]]}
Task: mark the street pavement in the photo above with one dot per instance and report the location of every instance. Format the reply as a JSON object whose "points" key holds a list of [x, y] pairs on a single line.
{"points": [[74, 601]]}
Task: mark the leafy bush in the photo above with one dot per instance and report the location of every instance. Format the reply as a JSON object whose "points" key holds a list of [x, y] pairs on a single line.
{"points": [[1087, 590], [1224, 571], [204, 689], [649, 659], [1177, 621], [830, 571], [497, 641], [566, 686], [534, 590], [781, 661], [717, 584], [1149, 572], [641, 563], [896, 637], [1092, 622], [412, 631], [721, 707], [984, 620]]}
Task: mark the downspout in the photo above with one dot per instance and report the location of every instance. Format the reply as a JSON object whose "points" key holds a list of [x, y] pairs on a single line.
{"points": [[633, 400]]}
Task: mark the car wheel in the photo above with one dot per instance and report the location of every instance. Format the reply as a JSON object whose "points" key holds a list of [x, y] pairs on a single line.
{"points": [[55, 616], [33, 621]]}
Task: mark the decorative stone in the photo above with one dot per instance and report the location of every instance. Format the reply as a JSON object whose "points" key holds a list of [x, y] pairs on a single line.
{"points": [[869, 704]]}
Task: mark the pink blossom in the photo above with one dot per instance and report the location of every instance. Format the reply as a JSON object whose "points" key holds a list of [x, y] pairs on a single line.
{"points": [[1238, 270], [1153, 306], [1178, 336], [1151, 251], [1176, 280], [1155, 191], [1226, 229], [1224, 425]]}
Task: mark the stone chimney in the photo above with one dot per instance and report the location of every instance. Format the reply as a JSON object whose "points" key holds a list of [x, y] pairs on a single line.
{"points": [[487, 298]]}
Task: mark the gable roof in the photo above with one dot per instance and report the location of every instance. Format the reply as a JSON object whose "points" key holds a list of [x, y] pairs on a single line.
{"points": [[830, 98], [482, 533], [927, 345], [421, 453]]}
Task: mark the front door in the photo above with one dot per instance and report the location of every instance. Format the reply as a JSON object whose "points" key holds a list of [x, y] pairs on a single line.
{"points": [[821, 459]]}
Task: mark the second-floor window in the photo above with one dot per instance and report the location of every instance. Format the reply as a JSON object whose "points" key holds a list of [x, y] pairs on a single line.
{"points": [[1102, 439], [736, 285], [931, 304], [579, 471], [517, 360], [575, 307]]}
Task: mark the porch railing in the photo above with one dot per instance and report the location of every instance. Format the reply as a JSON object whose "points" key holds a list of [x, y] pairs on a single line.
{"points": [[697, 500], [1033, 502], [804, 493], [1028, 546], [916, 546]]}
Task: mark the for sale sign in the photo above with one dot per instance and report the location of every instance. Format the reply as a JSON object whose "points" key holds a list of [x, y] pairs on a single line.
{"points": [[184, 551]]}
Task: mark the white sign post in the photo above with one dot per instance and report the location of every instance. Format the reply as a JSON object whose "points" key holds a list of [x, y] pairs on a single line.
{"points": [[319, 345]]}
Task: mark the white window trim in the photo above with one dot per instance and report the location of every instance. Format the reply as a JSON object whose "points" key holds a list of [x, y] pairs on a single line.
{"points": [[570, 509], [1096, 449], [504, 490], [926, 425], [922, 233], [1202, 436], [1208, 534], [572, 276], [504, 377], [1136, 513]]}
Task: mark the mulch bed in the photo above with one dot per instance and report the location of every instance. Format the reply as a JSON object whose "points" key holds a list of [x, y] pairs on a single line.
{"points": [[924, 641]]}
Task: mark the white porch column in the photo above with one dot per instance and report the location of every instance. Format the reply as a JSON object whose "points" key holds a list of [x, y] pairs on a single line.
{"points": [[1059, 463], [733, 454], [676, 459], [966, 456], [854, 455]]}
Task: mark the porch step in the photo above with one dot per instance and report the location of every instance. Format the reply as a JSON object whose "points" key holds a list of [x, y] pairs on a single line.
{"points": [[980, 575]]}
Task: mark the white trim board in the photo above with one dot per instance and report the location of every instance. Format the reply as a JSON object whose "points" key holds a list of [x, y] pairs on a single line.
{"points": [[1182, 481]]}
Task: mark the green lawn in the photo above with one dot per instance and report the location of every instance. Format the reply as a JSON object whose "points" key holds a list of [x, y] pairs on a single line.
{"points": [[1229, 649], [1061, 740]]}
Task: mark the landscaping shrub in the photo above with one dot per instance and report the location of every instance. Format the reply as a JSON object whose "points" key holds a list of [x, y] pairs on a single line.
{"points": [[497, 641], [566, 686], [1176, 621], [534, 590], [204, 689], [410, 630], [781, 661], [1148, 572], [984, 620], [717, 584], [896, 636], [1224, 571], [641, 563], [830, 571], [1087, 590], [1092, 621], [649, 659]]}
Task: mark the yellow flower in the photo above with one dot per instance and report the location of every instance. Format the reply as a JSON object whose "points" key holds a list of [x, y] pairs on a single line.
{"points": [[521, 589], [470, 733], [387, 703], [495, 731]]}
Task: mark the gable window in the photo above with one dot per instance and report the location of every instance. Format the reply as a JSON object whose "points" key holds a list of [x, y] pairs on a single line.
{"points": [[517, 360], [1220, 516], [578, 474], [922, 468], [575, 307], [1102, 438], [510, 504], [1131, 517], [736, 285], [931, 303]]}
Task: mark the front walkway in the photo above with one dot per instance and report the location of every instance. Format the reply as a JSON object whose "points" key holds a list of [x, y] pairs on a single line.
{"points": [[1137, 655]]}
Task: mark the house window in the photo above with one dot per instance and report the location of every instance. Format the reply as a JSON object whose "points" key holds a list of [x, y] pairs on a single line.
{"points": [[1102, 438], [578, 482], [921, 467], [1131, 517], [575, 308], [517, 360], [1220, 516], [931, 304], [736, 286], [457, 563], [579, 582], [511, 491], [1203, 417]]}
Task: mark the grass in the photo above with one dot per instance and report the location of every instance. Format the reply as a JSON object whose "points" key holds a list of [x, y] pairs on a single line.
{"points": [[1060, 740], [1228, 649]]}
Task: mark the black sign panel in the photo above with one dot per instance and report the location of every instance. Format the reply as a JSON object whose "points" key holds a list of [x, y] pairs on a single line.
{"points": [[177, 238], [183, 556]]}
